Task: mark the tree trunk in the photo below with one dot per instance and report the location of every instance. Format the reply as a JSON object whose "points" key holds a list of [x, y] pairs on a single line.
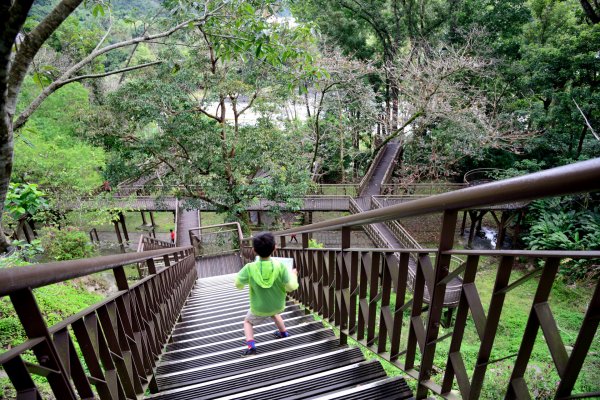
{"points": [[6, 164], [580, 145], [394, 98]]}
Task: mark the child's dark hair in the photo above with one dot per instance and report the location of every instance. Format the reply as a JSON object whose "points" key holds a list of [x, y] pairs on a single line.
{"points": [[264, 244]]}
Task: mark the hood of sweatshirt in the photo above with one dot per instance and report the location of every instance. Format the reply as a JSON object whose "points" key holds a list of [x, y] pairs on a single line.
{"points": [[264, 273]]}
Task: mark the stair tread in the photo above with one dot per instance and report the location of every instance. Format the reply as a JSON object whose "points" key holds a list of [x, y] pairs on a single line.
{"points": [[384, 389], [235, 366], [267, 376], [235, 342], [235, 332], [318, 383], [182, 364]]}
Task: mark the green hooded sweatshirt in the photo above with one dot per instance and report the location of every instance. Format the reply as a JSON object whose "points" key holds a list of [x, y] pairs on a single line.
{"points": [[268, 282]]}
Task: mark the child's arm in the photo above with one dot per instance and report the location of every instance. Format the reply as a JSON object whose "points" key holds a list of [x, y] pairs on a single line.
{"points": [[241, 278]]}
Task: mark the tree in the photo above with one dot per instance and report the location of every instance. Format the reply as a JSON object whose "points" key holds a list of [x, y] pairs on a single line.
{"points": [[187, 114], [378, 27], [341, 83], [18, 50]]}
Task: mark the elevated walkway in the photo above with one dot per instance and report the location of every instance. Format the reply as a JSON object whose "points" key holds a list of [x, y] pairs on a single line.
{"points": [[203, 358], [381, 234]]}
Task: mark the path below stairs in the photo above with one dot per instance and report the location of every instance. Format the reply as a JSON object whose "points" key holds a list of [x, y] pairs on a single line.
{"points": [[203, 358], [187, 219], [373, 189]]}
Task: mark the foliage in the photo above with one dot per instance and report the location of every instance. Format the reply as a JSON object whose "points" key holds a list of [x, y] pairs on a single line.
{"points": [[24, 199], [313, 244], [47, 150], [167, 118], [566, 224], [66, 244]]}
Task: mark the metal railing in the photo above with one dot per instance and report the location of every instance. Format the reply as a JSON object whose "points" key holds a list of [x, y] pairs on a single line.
{"points": [[216, 240], [391, 167], [480, 175], [419, 189], [147, 243], [338, 189], [345, 287], [365, 180], [110, 349]]}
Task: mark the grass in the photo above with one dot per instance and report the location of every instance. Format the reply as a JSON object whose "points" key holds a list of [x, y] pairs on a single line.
{"points": [[211, 218], [164, 221]]}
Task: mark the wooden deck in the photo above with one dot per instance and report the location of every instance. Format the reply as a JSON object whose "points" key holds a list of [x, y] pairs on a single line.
{"points": [[218, 265]]}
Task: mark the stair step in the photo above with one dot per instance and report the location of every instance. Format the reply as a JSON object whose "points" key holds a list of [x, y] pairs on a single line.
{"points": [[267, 376], [209, 301], [316, 384], [235, 342], [225, 328], [237, 317], [206, 315], [245, 364], [235, 332], [181, 363], [384, 389]]}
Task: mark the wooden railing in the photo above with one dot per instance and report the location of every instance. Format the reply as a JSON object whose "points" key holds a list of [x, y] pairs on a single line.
{"points": [[419, 189], [365, 180], [338, 189], [109, 350], [147, 243], [216, 240], [345, 286], [391, 167]]}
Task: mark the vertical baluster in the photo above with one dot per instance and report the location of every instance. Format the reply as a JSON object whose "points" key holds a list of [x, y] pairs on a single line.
{"points": [[372, 277], [531, 329], [399, 274], [457, 334], [437, 300], [21, 379], [34, 325]]}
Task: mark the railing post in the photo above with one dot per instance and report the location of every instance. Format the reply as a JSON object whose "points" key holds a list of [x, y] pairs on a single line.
{"points": [[119, 237], [435, 309], [34, 325], [122, 219]]}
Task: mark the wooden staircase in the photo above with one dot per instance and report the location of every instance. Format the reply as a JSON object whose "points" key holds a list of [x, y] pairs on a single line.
{"points": [[203, 357]]}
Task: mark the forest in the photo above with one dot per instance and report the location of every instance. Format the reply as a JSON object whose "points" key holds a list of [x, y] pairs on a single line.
{"points": [[223, 102]]}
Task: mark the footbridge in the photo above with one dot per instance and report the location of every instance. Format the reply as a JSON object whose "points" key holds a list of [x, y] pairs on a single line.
{"points": [[175, 333]]}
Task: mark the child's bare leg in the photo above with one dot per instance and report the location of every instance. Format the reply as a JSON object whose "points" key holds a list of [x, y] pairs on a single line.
{"points": [[248, 331], [279, 322]]}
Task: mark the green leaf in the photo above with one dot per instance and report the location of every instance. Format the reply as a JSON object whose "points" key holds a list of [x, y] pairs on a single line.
{"points": [[258, 49], [98, 9]]}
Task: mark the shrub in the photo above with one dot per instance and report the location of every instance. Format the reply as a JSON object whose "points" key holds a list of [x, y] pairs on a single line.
{"points": [[66, 244], [313, 244], [566, 224]]}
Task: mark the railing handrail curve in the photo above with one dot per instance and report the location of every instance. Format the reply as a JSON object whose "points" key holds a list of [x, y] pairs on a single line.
{"points": [[38, 275], [568, 179]]}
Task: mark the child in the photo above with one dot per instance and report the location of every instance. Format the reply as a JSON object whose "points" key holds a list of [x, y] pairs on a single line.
{"points": [[268, 282], [172, 235]]}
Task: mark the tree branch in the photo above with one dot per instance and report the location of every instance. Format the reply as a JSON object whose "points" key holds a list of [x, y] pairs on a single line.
{"points": [[20, 121], [399, 130], [31, 45], [118, 71], [590, 12], [12, 18]]}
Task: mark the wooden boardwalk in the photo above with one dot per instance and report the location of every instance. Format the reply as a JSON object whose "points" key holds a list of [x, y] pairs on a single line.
{"points": [[203, 358]]}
